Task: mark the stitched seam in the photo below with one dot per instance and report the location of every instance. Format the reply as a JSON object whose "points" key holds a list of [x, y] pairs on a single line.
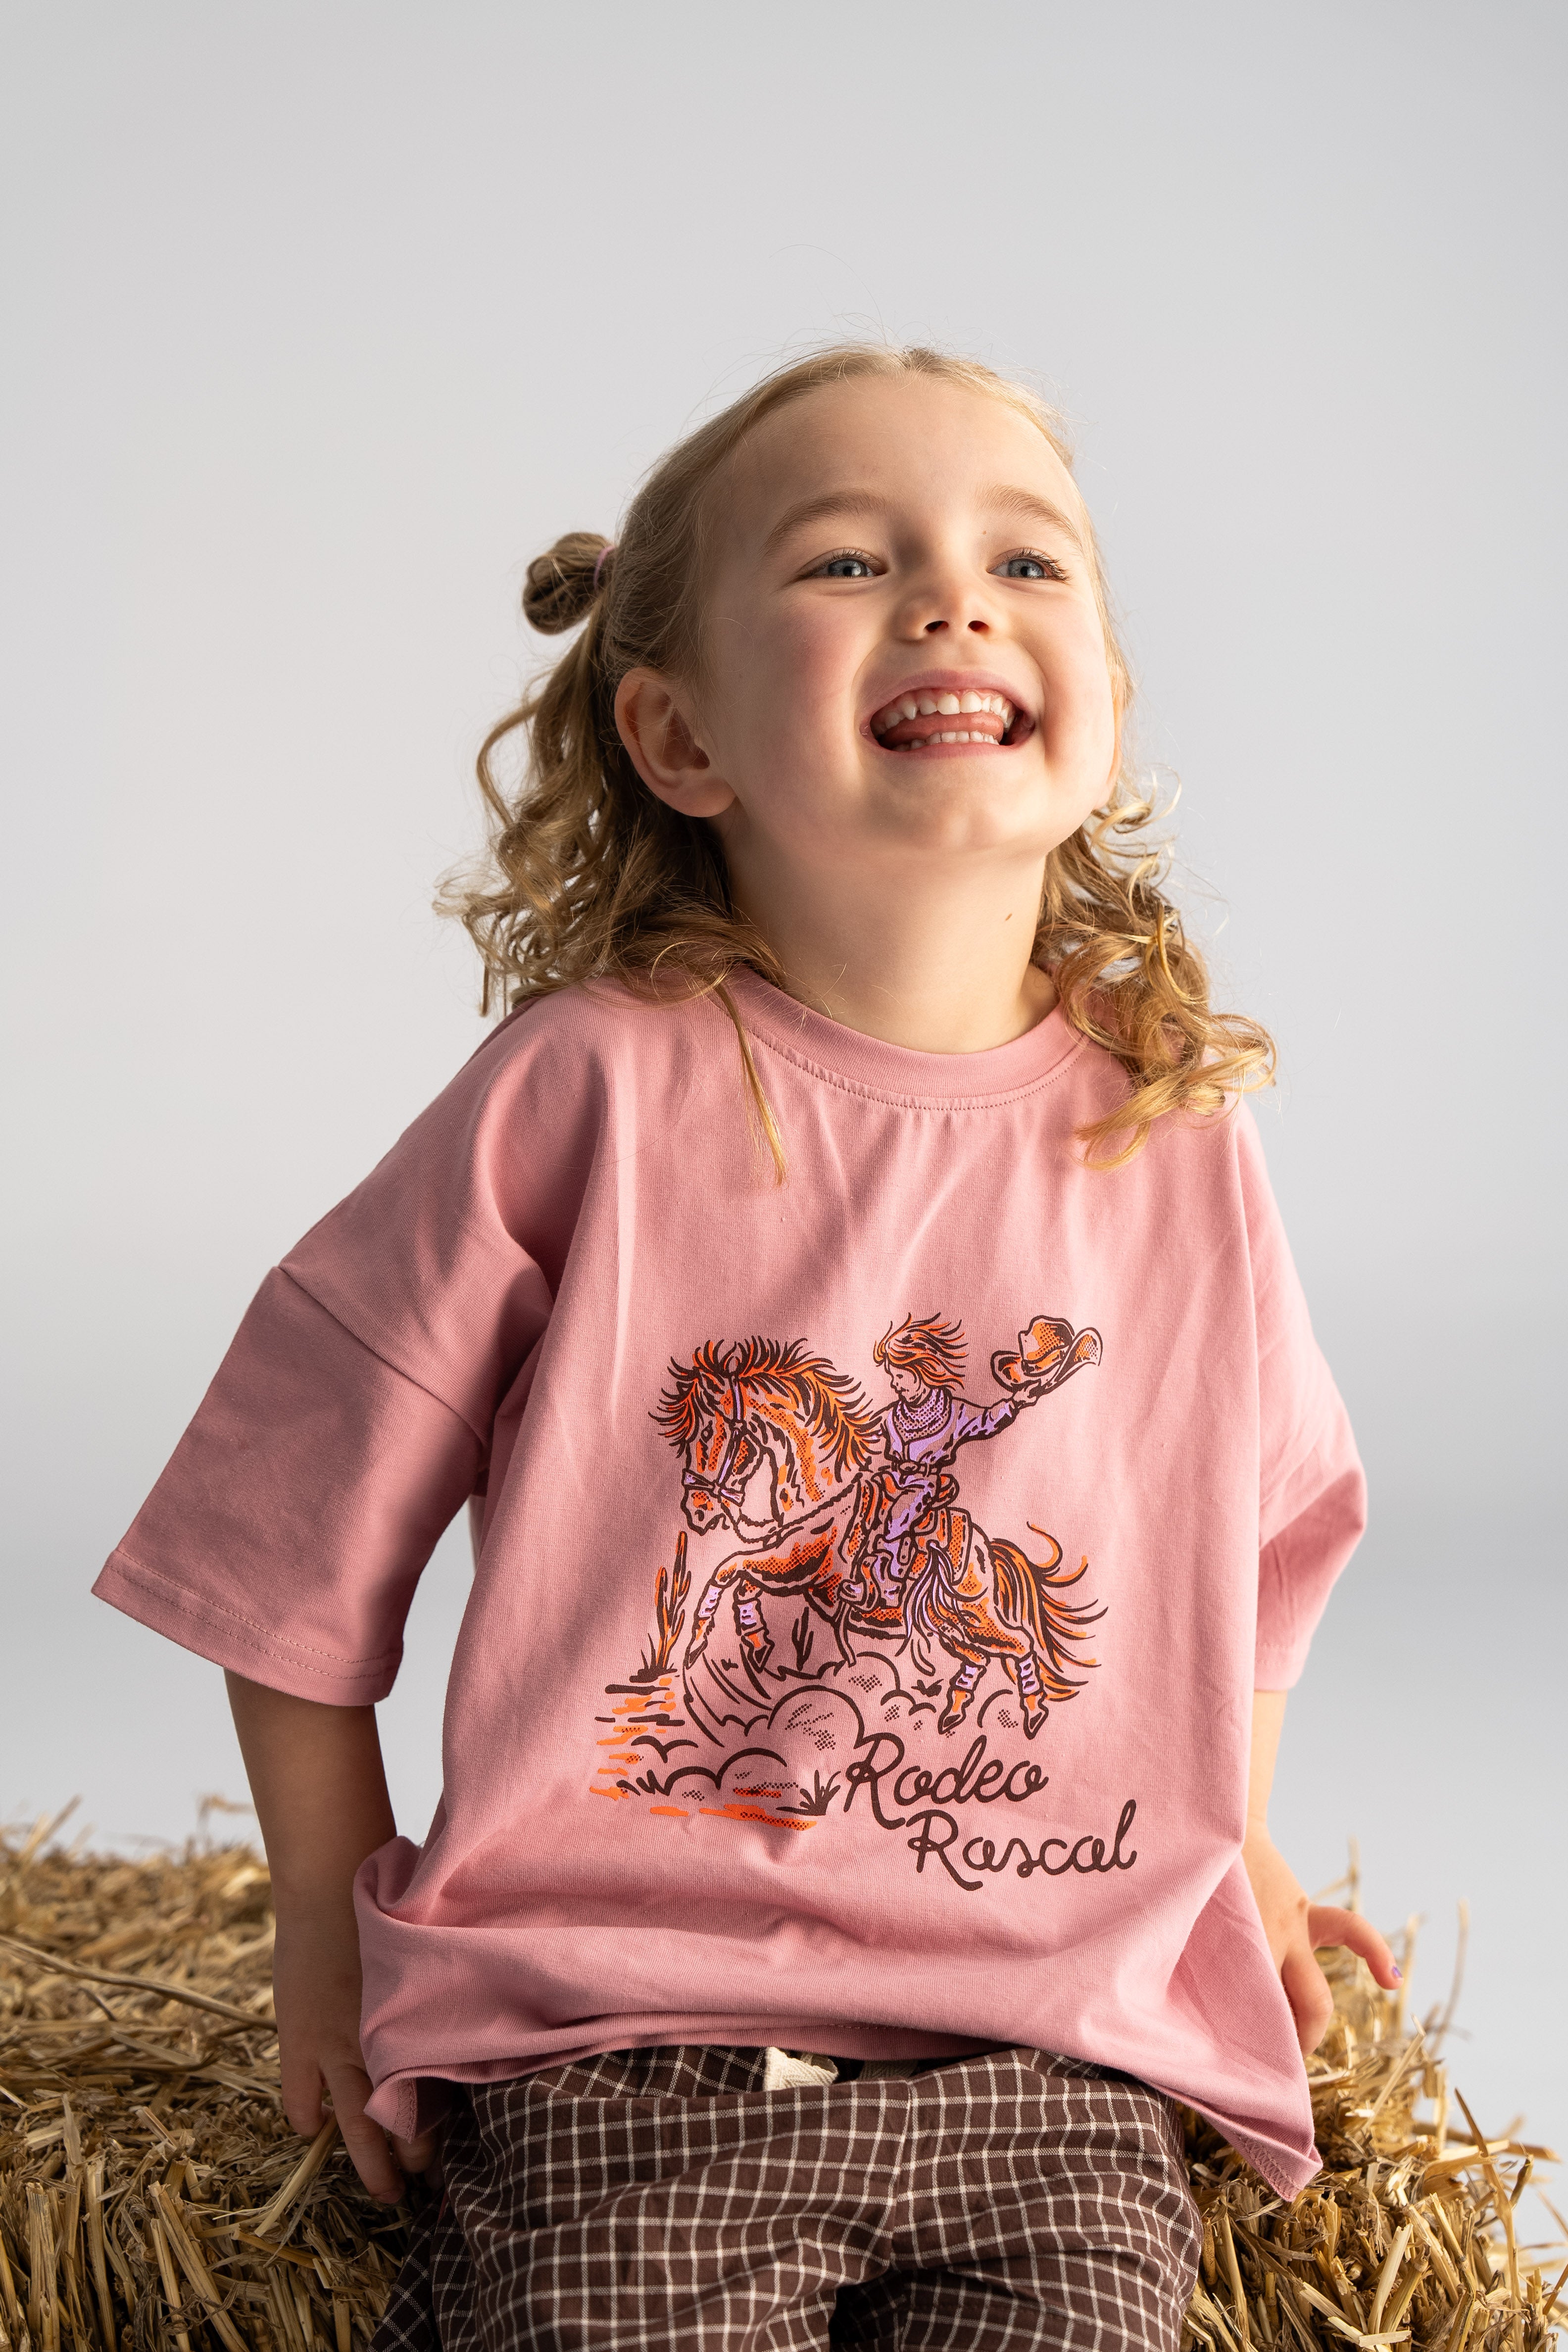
{"points": [[396, 1369], [196, 1605], [1295, 1465], [1000, 1101], [1281, 1601]]}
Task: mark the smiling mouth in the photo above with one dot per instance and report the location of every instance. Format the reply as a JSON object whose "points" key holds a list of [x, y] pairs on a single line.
{"points": [[905, 724]]}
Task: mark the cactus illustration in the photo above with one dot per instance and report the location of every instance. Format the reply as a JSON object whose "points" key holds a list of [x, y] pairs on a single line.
{"points": [[670, 1589]]}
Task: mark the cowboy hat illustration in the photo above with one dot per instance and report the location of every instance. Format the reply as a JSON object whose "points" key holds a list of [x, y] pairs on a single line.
{"points": [[1049, 1351]]}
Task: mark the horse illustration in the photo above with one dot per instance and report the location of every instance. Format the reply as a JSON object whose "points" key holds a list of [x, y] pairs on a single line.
{"points": [[780, 1448]]}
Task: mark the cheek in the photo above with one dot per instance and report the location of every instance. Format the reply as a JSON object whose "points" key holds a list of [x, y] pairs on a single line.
{"points": [[788, 678], [810, 684], [1081, 715], [785, 734]]}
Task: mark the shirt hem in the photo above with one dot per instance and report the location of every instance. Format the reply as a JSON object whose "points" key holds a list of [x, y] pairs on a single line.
{"points": [[402, 2101], [413, 2102], [1286, 2175]]}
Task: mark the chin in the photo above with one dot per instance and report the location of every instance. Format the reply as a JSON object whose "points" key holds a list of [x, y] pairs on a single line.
{"points": [[957, 808]]}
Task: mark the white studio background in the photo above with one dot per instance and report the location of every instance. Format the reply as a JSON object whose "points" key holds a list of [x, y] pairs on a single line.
{"points": [[321, 319]]}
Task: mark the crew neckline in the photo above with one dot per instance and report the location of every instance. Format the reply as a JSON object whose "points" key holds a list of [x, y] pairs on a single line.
{"points": [[898, 1073]]}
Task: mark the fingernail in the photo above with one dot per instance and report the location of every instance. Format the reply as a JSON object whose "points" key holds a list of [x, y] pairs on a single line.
{"points": [[1398, 1974]]}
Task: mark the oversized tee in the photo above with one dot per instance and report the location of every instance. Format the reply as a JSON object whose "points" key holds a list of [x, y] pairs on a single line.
{"points": [[873, 1568]]}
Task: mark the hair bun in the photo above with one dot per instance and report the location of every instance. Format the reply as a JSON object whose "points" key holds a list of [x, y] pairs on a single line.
{"points": [[562, 584]]}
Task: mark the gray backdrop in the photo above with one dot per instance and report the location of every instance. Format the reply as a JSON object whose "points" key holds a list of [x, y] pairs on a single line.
{"points": [[321, 319]]}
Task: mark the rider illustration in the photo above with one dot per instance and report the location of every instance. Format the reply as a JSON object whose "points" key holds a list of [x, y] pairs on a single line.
{"points": [[922, 1430], [856, 1514]]}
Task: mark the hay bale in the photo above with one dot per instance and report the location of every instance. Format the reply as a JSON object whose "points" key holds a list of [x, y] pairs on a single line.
{"points": [[152, 2194], [152, 2197], [1409, 2234]]}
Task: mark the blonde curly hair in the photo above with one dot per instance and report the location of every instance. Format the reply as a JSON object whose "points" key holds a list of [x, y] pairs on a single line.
{"points": [[588, 875]]}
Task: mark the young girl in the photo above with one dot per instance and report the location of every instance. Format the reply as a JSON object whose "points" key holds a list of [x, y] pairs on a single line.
{"points": [[847, 1292]]}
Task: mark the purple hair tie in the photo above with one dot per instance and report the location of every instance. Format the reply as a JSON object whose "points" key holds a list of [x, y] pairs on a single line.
{"points": [[601, 559]]}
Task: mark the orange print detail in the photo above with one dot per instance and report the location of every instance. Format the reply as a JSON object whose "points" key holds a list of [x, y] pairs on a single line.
{"points": [[754, 1813]]}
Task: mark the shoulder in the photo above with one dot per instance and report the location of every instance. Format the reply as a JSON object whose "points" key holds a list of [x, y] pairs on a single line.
{"points": [[1185, 1157], [582, 1046], [590, 1020], [522, 1121], [1249, 1165]]}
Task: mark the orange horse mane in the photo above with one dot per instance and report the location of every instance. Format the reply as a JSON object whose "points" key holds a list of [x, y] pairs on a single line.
{"points": [[771, 1372]]}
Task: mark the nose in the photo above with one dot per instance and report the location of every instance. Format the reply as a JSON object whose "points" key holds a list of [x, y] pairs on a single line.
{"points": [[947, 604]]}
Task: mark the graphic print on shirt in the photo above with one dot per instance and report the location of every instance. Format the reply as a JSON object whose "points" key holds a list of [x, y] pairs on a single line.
{"points": [[848, 1612]]}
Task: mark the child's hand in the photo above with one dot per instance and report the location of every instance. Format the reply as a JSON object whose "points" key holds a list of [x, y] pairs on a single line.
{"points": [[315, 1773], [1297, 1928], [316, 1994]]}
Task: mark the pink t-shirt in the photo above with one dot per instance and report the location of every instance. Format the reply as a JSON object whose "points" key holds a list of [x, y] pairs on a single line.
{"points": [[879, 1696]]}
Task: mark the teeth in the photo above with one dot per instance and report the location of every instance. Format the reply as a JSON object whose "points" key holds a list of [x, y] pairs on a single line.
{"points": [[946, 706], [921, 742]]}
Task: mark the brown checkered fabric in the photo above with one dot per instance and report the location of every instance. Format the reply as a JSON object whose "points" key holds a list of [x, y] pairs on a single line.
{"points": [[655, 2199]]}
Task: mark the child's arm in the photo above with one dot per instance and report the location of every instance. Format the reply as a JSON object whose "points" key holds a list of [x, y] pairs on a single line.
{"points": [[320, 1797], [1295, 1927]]}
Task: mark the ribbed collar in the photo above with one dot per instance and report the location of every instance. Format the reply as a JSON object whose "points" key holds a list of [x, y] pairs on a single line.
{"points": [[896, 1073]]}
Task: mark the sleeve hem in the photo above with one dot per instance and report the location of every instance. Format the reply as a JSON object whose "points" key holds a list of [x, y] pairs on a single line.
{"points": [[1278, 1665], [241, 1645]]}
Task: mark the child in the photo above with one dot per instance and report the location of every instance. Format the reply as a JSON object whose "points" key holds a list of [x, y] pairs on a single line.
{"points": [[846, 1289]]}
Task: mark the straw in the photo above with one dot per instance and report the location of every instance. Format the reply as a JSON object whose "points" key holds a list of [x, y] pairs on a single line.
{"points": [[149, 2179], [1404, 2238]]}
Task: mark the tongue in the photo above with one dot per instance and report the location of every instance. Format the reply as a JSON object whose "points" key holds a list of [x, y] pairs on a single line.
{"points": [[944, 722]]}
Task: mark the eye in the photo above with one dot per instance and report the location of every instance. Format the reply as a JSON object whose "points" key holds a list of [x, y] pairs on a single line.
{"points": [[847, 566], [1026, 564]]}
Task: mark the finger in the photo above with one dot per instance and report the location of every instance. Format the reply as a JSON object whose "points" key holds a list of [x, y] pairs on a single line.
{"points": [[414, 2155], [365, 2140], [1306, 1991], [1326, 1925], [300, 2080]]}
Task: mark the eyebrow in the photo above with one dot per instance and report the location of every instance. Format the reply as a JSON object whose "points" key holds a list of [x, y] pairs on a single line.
{"points": [[830, 502], [1003, 498], [1030, 506]]}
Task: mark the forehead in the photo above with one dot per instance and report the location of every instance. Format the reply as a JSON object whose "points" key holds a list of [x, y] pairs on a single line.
{"points": [[913, 440]]}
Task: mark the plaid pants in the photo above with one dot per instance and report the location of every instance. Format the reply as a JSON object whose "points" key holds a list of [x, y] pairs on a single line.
{"points": [[649, 2200]]}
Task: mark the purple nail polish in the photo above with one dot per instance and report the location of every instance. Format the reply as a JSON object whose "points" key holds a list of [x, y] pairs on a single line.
{"points": [[1398, 1974]]}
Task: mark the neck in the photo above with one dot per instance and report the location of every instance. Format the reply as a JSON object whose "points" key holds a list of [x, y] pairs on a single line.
{"points": [[938, 962]]}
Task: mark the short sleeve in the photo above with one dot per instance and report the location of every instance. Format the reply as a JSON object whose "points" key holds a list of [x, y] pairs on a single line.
{"points": [[286, 1535], [351, 1418], [1311, 1488]]}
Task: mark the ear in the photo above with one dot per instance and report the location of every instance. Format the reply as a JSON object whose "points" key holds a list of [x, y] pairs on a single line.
{"points": [[657, 724]]}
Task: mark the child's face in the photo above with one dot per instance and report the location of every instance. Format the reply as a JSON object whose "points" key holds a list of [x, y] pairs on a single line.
{"points": [[881, 542]]}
